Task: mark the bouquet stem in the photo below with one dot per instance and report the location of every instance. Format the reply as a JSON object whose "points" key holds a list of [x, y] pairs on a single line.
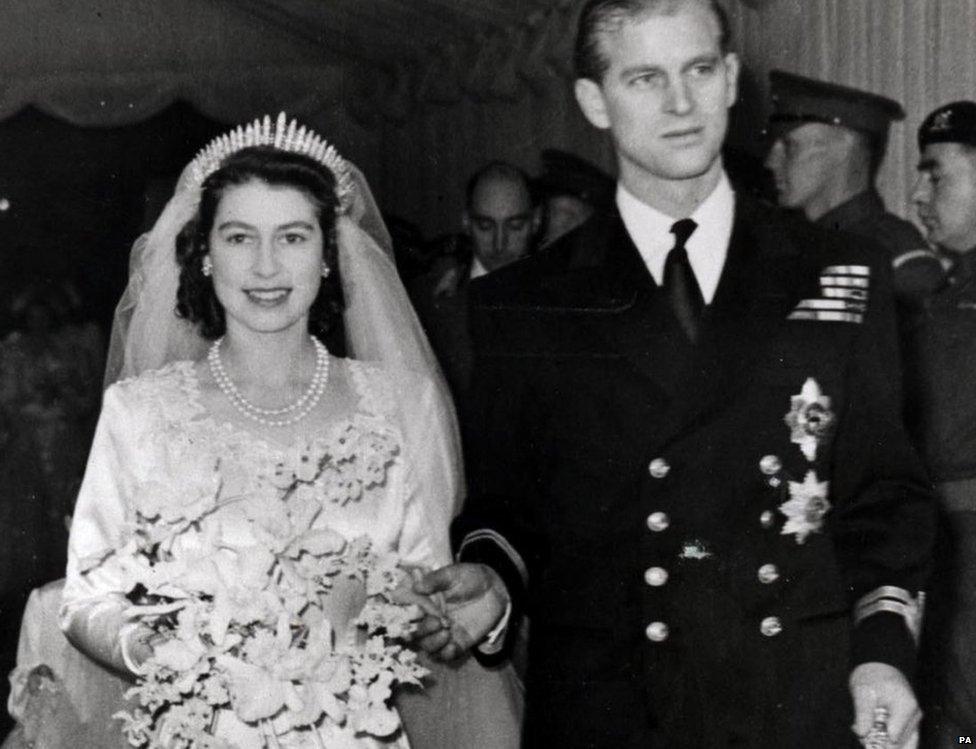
{"points": [[271, 735]]}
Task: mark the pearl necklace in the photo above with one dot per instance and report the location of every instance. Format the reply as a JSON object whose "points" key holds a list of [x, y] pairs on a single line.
{"points": [[298, 410]]}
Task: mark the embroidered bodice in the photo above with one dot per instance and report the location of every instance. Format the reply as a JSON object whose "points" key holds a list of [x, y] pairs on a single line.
{"points": [[158, 452]]}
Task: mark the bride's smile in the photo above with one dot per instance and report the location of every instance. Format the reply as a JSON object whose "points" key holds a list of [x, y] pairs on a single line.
{"points": [[266, 255], [268, 297], [299, 491]]}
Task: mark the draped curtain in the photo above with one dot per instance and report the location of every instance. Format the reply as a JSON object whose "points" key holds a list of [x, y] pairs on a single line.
{"points": [[422, 92], [105, 63], [427, 161], [920, 52]]}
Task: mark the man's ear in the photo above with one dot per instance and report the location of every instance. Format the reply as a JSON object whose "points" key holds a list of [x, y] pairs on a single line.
{"points": [[732, 68], [536, 219], [589, 96]]}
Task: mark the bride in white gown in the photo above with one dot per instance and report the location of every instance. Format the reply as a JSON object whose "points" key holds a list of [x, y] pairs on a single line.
{"points": [[271, 249]]}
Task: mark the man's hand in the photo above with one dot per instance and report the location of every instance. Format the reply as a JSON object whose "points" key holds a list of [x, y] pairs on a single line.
{"points": [[875, 685], [474, 601]]}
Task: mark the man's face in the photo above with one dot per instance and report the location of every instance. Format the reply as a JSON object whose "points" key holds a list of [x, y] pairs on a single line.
{"points": [[945, 195], [803, 162], [500, 221], [666, 94]]}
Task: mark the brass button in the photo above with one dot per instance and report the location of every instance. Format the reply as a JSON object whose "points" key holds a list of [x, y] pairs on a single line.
{"points": [[659, 468], [768, 573], [770, 465], [655, 576], [658, 521], [766, 519], [771, 626], [657, 632]]}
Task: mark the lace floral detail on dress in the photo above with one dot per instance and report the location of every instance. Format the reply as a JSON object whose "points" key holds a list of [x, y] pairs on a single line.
{"points": [[165, 394], [199, 465], [358, 451], [376, 391], [267, 599], [293, 627], [353, 460], [40, 705]]}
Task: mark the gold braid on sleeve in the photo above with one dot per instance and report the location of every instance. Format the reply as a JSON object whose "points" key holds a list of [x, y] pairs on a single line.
{"points": [[894, 600]]}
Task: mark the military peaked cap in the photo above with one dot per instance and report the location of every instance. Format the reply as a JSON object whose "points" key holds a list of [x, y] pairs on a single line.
{"points": [[797, 100]]}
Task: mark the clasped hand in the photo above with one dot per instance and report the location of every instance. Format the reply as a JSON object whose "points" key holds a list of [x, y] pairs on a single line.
{"points": [[878, 685], [457, 606], [460, 605]]}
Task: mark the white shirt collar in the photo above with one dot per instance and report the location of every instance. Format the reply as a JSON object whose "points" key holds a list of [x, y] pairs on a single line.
{"points": [[707, 247], [477, 269]]}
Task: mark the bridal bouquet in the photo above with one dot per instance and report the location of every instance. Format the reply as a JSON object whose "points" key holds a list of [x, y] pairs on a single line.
{"points": [[254, 605]]}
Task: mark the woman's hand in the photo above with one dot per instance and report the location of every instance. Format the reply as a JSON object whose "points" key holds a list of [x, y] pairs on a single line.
{"points": [[428, 606], [139, 642]]}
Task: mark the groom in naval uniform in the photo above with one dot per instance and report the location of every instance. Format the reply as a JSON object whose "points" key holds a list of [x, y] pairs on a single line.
{"points": [[688, 466]]}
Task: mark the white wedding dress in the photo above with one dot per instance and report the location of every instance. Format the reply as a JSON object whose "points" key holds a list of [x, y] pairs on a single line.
{"points": [[154, 428], [159, 426]]}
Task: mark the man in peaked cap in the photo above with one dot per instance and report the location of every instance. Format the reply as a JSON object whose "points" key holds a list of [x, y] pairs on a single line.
{"points": [[571, 190], [828, 142], [942, 378]]}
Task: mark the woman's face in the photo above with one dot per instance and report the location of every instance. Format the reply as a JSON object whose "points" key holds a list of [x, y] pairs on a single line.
{"points": [[266, 248]]}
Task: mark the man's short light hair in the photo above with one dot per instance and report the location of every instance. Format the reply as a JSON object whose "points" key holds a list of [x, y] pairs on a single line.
{"points": [[599, 17]]}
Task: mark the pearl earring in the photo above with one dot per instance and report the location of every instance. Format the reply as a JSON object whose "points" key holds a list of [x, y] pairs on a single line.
{"points": [[206, 266], [326, 270]]}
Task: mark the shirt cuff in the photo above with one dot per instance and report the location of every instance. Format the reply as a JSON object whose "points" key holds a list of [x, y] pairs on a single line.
{"points": [[127, 637], [490, 547], [495, 639]]}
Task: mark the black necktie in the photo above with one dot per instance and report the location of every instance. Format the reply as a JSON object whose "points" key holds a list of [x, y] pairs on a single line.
{"points": [[680, 285]]}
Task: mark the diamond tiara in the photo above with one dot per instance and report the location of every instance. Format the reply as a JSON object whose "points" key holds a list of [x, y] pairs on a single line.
{"points": [[284, 136]]}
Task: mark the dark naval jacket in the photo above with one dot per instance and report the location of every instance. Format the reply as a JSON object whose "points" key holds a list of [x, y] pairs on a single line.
{"points": [[440, 297], [917, 272], [944, 341], [694, 529]]}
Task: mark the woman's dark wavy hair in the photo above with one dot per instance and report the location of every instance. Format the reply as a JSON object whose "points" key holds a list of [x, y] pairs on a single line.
{"points": [[196, 299]]}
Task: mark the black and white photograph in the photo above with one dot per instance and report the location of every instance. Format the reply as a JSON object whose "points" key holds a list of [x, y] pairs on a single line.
{"points": [[487, 374]]}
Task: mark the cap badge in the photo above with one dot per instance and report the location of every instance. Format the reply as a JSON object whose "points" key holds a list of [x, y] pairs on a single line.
{"points": [[941, 122]]}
